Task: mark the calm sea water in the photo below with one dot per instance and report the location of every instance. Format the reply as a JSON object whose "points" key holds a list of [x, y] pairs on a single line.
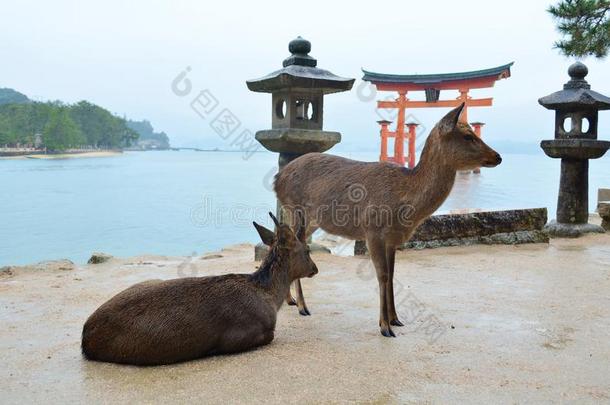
{"points": [[180, 203]]}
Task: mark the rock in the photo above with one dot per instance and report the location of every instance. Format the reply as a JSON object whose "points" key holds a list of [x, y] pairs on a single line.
{"points": [[318, 248], [98, 258], [478, 224], [52, 265], [6, 271], [508, 227], [603, 209], [360, 248], [505, 238], [211, 256]]}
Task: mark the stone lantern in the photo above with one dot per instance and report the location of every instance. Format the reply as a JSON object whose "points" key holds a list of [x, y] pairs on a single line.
{"points": [[297, 105], [576, 110]]}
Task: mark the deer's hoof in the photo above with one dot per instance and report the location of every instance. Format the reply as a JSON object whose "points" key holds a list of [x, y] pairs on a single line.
{"points": [[387, 332], [396, 322], [291, 301], [304, 312]]}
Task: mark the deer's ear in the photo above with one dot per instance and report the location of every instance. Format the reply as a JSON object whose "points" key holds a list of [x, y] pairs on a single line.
{"points": [[267, 236], [447, 124]]}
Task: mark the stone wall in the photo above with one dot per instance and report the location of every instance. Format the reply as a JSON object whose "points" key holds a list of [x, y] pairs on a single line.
{"points": [[603, 194], [487, 227]]}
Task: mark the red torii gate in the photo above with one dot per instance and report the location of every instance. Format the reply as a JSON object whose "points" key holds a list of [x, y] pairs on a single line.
{"points": [[431, 84]]}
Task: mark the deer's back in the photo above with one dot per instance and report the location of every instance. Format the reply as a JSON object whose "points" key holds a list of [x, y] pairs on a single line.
{"points": [[175, 320], [335, 183], [317, 177]]}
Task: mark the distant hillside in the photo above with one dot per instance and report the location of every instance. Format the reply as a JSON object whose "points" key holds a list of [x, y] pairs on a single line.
{"points": [[149, 139], [10, 96], [57, 126]]}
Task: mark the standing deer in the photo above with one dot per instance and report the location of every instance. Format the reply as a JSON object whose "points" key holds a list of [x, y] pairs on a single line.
{"points": [[163, 322], [381, 203]]}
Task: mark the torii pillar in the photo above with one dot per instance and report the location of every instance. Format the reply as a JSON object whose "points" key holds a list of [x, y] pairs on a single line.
{"points": [[384, 133], [412, 137]]}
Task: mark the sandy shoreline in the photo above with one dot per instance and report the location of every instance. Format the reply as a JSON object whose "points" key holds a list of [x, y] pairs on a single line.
{"points": [[526, 323], [96, 154]]}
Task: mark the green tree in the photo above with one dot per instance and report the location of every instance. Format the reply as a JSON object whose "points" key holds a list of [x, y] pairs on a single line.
{"points": [[101, 127], [61, 132], [585, 25], [62, 126], [20, 122], [146, 132]]}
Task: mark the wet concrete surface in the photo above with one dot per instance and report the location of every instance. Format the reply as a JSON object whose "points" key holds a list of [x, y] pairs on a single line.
{"points": [[499, 324]]}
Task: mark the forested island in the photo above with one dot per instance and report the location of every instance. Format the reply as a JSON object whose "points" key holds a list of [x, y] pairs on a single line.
{"points": [[57, 126]]}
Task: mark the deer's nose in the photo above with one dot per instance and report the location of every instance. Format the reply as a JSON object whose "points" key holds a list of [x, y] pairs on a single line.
{"points": [[498, 159]]}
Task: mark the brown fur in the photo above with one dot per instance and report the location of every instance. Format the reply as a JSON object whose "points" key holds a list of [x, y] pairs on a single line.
{"points": [[393, 202], [162, 322]]}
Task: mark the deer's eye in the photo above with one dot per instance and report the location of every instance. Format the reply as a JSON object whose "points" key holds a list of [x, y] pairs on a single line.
{"points": [[469, 138]]}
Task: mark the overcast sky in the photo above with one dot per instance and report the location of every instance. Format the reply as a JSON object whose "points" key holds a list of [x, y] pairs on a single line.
{"points": [[123, 55]]}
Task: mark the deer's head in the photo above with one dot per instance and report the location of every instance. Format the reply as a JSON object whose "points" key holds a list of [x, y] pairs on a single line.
{"points": [[458, 146], [292, 244]]}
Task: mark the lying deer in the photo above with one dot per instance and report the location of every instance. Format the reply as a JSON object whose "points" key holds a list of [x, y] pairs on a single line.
{"points": [[381, 203], [163, 322]]}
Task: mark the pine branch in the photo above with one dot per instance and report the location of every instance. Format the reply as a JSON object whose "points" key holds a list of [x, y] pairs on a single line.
{"points": [[585, 25]]}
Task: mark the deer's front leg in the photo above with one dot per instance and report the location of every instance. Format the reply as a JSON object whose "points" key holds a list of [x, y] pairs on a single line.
{"points": [[378, 256], [301, 299], [390, 257]]}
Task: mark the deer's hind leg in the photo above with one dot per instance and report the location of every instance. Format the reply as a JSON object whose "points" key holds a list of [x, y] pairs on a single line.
{"points": [[301, 305], [286, 215], [310, 228], [289, 299], [390, 258], [240, 339], [377, 249]]}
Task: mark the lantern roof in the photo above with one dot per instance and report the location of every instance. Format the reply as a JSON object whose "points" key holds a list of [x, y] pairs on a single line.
{"points": [[300, 72], [576, 93]]}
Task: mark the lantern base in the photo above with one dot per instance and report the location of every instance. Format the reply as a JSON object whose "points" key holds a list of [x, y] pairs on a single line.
{"points": [[560, 230], [579, 149], [297, 141]]}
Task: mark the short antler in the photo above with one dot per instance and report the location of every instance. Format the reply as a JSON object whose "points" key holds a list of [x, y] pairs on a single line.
{"points": [[275, 221]]}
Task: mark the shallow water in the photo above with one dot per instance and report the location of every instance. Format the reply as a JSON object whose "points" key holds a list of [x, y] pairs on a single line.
{"points": [[180, 203]]}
